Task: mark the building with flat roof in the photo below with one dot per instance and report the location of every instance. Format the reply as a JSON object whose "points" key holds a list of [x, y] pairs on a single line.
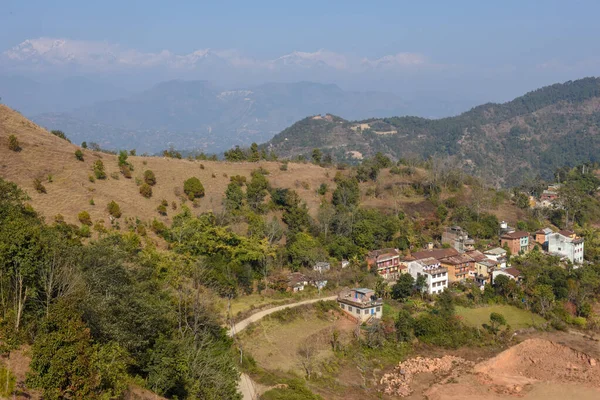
{"points": [[436, 275], [360, 303]]}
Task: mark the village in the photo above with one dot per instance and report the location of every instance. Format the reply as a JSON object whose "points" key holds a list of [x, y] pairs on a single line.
{"points": [[435, 269]]}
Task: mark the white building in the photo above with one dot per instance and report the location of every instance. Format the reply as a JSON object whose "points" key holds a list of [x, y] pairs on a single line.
{"points": [[437, 276], [360, 303], [322, 267], [497, 254], [566, 244]]}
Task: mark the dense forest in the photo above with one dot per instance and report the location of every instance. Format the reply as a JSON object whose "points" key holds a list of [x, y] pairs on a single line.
{"points": [[529, 136]]}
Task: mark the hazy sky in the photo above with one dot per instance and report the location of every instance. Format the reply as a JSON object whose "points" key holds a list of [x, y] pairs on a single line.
{"points": [[487, 49]]}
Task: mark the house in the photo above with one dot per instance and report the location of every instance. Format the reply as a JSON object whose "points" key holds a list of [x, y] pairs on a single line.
{"points": [[458, 267], [318, 283], [297, 282], [541, 237], [497, 254], [457, 238], [386, 262], [436, 275], [321, 267], [361, 303], [511, 273], [435, 253], [566, 244], [484, 270], [517, 242]]}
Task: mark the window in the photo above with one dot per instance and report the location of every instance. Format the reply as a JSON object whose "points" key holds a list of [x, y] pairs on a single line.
{"points": [[342, 306], [357, 311], [349, 308], [378, 309], [367, 311]]}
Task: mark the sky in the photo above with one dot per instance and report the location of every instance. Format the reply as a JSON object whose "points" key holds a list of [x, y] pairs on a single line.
{"points": [[477, 50]]}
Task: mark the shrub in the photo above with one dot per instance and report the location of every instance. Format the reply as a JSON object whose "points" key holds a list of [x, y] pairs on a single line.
{"points": [[8, 383], [38, 186], [114, 209], [149, 177], [13, 143], [50, 178], [174, 205], [193, 188], [92, 178], [84, 145], [322, 189], [126, 171], [84, 218], [283, 167], [60, 134], [59, 219], [162, 210], [114, 175], [85, 231], [146, 190], [99, 170], [79, 155], [92, 203]]}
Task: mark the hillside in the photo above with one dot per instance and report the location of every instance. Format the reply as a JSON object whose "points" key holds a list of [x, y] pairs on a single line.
{"points": [[506, 143], [200, 115], [70, 191]]}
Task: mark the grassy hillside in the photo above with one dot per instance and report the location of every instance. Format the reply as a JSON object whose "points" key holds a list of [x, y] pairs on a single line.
{"points": [[530, 136]]}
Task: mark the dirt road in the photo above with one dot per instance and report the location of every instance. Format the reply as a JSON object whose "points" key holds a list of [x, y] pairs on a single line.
{"points": [[250, 390]]}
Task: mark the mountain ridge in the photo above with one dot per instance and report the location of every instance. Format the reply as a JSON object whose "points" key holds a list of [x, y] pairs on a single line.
{"points": [[531, 135]]}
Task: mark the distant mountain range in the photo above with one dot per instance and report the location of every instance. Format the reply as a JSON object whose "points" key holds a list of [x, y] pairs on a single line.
{"points": [[507, 143], [200, 115]]}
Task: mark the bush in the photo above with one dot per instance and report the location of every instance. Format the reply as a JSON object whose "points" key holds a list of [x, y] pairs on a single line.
{"points": [[162, 210], [126, 171], [13, 143], [283, 167], [84, 218], [79, 155], [61, 135], [146, 190], [149, 177], [114, 209], [193, 188], [84, 145], [38, 186], [8, 383], [92, 178], [99, 170], [85, 231]]}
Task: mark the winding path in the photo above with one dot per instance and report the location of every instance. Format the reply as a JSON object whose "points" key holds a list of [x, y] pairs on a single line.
{"points": [[247, 386]]}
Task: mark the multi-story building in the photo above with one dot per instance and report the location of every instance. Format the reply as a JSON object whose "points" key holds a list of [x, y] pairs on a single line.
{"points": [[457, 238], [497, 254], [541, 237], [386, 262], [517, 242], [436, 275], [458, 267], [484, 270], [361, 303], [566, 244]]}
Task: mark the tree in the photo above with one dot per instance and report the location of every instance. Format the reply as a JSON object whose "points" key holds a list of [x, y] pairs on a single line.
{"points": [[62, 363], [307, 354], [149, 177], [13, 143], [60, 134], [254, 154], [403, 288], [146, 190], [99, 170], [496, 321], [79, 155], [84, 218], [193, 188], [256, 190], [421, 284], [317, 155], [405, 326], [346, 193], [445, 304], [234, 197], [544, 297], [84, 145], [114, 209]]}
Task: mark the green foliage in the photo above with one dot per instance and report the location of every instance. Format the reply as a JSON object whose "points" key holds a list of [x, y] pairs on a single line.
{"points": [[316, 156], [295, 390], [114, 209], [404, 287], [7, 382], [149, 177], [193, 188], [346, 193], [13, 143], [146, 190], [322, 190], [38, 186], [256, 190], [234, 197], [60, 134], [84, 145], [84, 218], [79, 155], [99, 172]]}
